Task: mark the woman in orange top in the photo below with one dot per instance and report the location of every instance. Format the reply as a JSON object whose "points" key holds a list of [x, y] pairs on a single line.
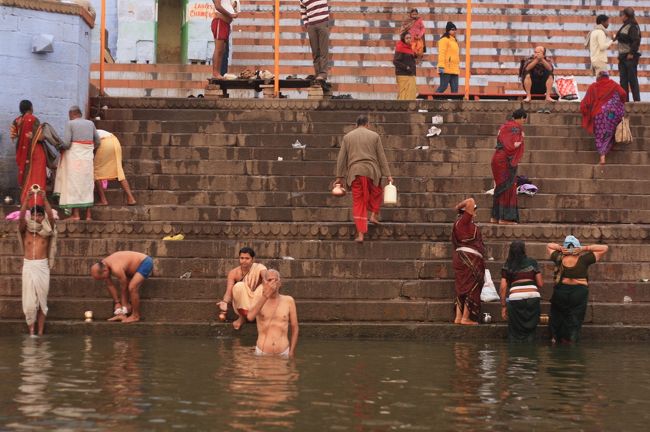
{"points": [[448, 59]]}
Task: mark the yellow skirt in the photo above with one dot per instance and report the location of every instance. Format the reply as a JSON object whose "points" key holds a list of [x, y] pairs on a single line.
{"points": [[108, 159], [407, 90]]}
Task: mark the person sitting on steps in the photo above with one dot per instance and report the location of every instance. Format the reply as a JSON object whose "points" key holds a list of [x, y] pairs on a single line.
{"points": [[537, 75], [242, 283]]}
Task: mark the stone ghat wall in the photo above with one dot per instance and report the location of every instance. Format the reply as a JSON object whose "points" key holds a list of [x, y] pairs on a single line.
{"points": [[53, 81], [209, 169]]}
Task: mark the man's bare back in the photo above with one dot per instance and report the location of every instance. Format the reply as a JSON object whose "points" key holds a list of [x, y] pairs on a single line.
{"points": [[124, 262]]}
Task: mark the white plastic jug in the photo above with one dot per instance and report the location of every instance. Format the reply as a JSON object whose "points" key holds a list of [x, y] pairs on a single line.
{"points": [[390, 194]]}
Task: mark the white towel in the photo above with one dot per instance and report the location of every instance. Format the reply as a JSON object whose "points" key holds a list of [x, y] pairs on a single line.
{"points": [[36, 286]]}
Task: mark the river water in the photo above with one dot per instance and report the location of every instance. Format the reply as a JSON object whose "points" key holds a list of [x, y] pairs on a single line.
{"points": [[94, 383]]}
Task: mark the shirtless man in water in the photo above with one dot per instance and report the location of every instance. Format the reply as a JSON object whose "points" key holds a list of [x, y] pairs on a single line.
{"points": [[274, 313], [36, 235], [130, 269]]}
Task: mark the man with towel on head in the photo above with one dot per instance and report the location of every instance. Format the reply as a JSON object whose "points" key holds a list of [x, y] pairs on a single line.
{"points": [[75, 178], [108, 166], [37, 235], [242, 287]]}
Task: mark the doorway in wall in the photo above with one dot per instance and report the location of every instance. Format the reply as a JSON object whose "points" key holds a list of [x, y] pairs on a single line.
{"points": [[170, 19]]}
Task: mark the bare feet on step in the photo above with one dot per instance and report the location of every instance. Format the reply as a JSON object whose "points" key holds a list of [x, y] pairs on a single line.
{"points": [[373, 219], [468, 322], [359, 238], [131, 319]]}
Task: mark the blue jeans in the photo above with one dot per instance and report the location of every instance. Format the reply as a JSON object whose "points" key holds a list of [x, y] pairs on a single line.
{"points": [[446, 80]]}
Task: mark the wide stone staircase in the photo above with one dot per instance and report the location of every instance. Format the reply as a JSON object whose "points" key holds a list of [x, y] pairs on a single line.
{"points": [[224, 174]]}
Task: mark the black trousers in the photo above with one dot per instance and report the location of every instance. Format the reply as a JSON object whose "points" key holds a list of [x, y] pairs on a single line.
{"points": [[628, 75]]}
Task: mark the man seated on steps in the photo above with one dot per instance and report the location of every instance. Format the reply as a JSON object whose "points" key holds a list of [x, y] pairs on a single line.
{"points": [[274, 312], [131, 269], [242, 283], [537, 75]]}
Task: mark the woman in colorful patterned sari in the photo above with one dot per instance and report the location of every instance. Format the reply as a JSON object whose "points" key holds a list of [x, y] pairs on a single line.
{"points": [[508, 154], [469, 265], [602, 110], [30, 153]]}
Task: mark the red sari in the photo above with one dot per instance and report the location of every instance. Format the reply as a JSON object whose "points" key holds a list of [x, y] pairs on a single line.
{"points": [[469, 265], [508, 154], [30, 155]]}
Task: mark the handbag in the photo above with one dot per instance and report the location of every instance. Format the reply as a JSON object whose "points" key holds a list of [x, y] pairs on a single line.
{"points": [[567, 87], [489, 291], [623, 133]]}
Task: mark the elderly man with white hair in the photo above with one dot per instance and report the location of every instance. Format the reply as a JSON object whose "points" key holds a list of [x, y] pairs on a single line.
{"points": [[75, 180], [274, 313]]}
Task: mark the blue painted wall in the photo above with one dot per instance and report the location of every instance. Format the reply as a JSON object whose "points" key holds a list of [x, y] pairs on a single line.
{"points": [[52, 81]]}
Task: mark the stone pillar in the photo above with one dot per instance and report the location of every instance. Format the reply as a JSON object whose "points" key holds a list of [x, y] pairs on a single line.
{"points": [[53, 79]]}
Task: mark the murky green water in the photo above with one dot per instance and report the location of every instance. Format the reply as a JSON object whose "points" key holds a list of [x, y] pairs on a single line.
{"points": [[171, 383]]}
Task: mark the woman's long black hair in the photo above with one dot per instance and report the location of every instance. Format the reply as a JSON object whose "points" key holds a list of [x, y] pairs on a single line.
{"points": [[516, 256]]}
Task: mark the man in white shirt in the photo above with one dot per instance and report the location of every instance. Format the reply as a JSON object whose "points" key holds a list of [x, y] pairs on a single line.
{"points": [[598, 42]]}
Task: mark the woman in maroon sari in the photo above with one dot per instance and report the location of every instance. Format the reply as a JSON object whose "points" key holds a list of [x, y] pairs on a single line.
{"points": [[469, 266], [30, 154], [509, 151], [602, 110]]}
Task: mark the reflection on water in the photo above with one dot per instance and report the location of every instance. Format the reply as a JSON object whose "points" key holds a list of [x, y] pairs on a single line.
{"points": [[35, 365], [264, 389], [172, 383]]}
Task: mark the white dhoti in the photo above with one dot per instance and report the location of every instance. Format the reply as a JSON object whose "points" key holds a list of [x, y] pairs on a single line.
{"points": [[243, 292], [36, 286], [75, 178]]}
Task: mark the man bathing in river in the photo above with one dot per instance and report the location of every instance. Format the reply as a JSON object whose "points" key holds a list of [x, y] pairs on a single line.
{"points": [[37, 236], [274, 312], [241, 285], [130, 269]]}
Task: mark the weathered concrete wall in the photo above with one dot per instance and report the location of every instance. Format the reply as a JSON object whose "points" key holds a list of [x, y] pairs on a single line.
{"points": [[111, 26], [198, 16], [136, 36], [52, 81]]}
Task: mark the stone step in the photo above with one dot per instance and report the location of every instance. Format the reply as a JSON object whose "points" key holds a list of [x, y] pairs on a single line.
{"points": [[397, 142], [619, 155], [368, 268], [82, 287], [245, 232], [273, 253], [327, 214], [313, 310], [325, 199], [344, 118], [471, 185], [639, 131], [412, 169]]}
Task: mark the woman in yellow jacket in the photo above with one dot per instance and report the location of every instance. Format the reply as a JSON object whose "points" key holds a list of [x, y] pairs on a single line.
{"points": [[448, 59]]}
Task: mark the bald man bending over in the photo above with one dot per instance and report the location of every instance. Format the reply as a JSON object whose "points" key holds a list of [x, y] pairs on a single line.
{"points": [[130, 269]]}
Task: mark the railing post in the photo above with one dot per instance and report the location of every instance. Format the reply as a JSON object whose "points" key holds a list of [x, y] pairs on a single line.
{"points": [[102, 48], [276, 51], [468, 46]]}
